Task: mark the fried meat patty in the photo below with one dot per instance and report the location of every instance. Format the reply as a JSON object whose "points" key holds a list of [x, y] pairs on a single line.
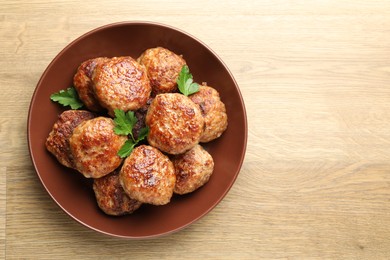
{"points": [[147, 175], [83, 83], [111, 198], [121, 83], [94, 147], [57, 142], [213, 111], [175, 123], [163, 68], [193, 169]]}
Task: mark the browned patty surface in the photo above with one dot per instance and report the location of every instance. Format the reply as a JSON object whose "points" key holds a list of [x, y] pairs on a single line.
{"points": [[213, 111], [193, 169], [121, 83], [58, 140], [111, 198], [83, 83], [163, 67], [147, 175], [94, 147], [175, 123]]}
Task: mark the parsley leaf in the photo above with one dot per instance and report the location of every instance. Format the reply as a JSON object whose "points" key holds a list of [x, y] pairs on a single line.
{"points": [[129, 145], [126, 148], [124, 124], [143, 133], [185, 82], [67, 97]]}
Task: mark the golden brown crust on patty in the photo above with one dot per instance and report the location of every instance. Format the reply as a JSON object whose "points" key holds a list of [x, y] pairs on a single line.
{"points": [[83, 83], [94, 147], [163, 67], [193, 169], [58, 140], [111, 198], [147, 175], [175, 123], [121, 83], [213, 111]]}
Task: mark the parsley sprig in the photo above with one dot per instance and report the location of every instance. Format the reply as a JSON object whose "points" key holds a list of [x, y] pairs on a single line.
{"points": [[185, 82], [67, 97], [124, 124]]}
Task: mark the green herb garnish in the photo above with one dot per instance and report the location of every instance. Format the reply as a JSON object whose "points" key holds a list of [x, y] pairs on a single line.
{"points": [[67, 97], [185, 82], [124, 124]]}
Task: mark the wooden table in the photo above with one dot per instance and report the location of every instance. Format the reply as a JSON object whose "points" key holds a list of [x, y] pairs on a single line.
{"points": [[315, 77]]}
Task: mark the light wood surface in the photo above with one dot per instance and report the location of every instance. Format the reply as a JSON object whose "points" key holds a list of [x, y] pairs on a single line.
{"points": [[315, 77]]}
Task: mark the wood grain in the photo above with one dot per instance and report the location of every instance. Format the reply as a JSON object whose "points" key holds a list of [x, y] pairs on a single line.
{"points": [[2, 211], [315, 78]]}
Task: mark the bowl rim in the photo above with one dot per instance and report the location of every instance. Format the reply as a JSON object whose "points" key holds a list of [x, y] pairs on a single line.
{"points": [[134, 23]]}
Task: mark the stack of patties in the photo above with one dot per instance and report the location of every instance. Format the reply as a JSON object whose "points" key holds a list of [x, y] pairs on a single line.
{"points": [[172, 160]]}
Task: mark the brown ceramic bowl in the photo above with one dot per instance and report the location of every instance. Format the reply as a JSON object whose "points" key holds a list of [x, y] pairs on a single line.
{"points": [[73, 193]]}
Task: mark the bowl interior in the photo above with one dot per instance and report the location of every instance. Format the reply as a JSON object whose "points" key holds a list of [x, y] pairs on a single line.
{"points": [[73, 193]]}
